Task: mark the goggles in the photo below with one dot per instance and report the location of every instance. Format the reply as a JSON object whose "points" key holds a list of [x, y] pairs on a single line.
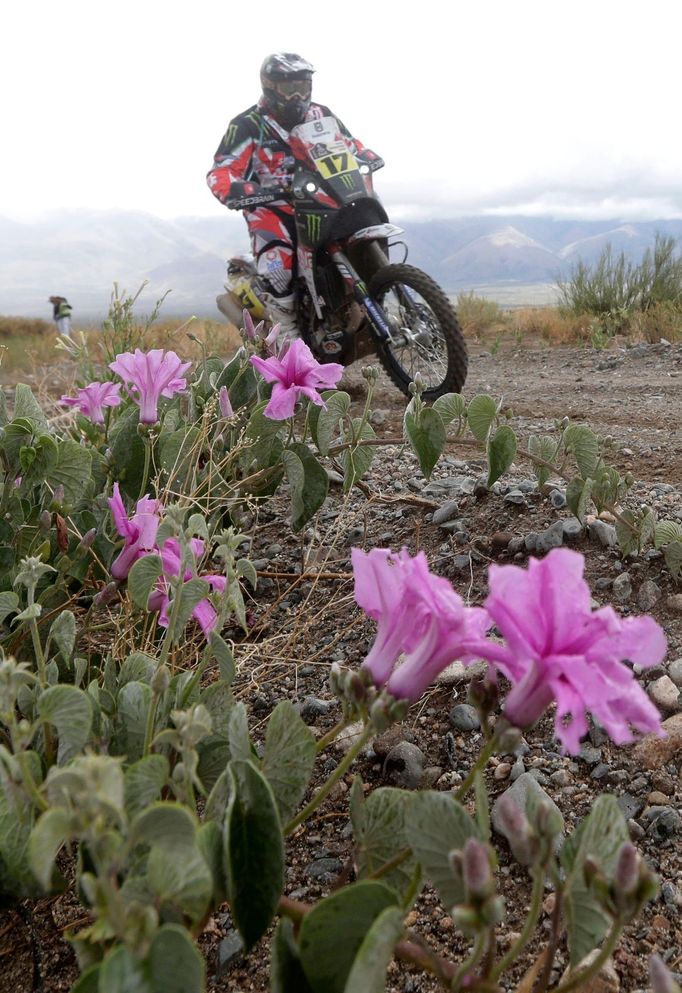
{"points": [[290, 88]]}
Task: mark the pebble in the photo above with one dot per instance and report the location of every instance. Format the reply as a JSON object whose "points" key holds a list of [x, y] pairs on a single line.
{"points": [[229, 950], [515, 497], [675, 603], [464, 717], [500, 542], [325, 870], [558, 499], [606, 980], [649, 595], [502, 771], [590, 754], [636, 830], [446, 512], [573, 529], [662, 822], [404, 766], [521, 792], [672, 897], [518, 769], [552, 537], [349, 736], [657, 798], [561, 777], [621, 587], [600, 771], [389, 739], [312, 708], [378, 417], [664, 693], [604, 533], [675, 672]]}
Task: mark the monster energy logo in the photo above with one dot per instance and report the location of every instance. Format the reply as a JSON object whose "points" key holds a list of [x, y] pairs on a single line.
{"points": [[230, 135], [348, 181], [313, 226]]}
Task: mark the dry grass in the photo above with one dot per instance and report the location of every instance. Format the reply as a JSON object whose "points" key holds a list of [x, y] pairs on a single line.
{"points": [[550, 324], [26, 348]]}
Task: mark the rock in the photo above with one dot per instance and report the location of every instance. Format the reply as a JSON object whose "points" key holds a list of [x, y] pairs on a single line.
{"points": [[312, 708], [675, 603], [229, 951], [665, 694], [672, 897], [516, 545], [464, 717], [636, 830], [558, 499], [390, 738], [621, 587], [500, 542], [675, 672], [461, 563], [600, 771], [630, 805], [605, 534], [656, 798], [404, 766], [454, 673], [590, 754], [662, 822], [520, 792], [325, 869], [515, 497], [606, 980], [518, 769], [573, 529], [561, 777], [552, 537], [649, 595], [348, 737], [502, 771], [530, 541], [378, 417], [334, 477], [446, 512]]}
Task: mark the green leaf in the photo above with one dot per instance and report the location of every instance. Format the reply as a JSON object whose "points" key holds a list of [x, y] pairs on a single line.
{"points": [[26, 406], [286, 971], [289, 757], [246, 570], [132, 705], [379, 829], [578, 493], [435, 824], [191, 594], [544, 447], [210, 844], [63, 633], [120, 972], [599, 836], [356, 461], [179, 455], [584, 445], [138, 667], [332, 933], [628, 539], [174, 962], [218, 699], [180, 881], [426, 434], [450, 406], [666, 532], [368, 974], [143, 577], [308, 483], [338, 406], [673, 558], [127, 452], [165, 825], [482, 806], [481, 413], [72, 471], [218, 799], [52, 830], [9, 603], [254, 852], [144, 781], [223, 655], [70, 710], [17, 817], [238, 734], [88, 981], [501, 452]]}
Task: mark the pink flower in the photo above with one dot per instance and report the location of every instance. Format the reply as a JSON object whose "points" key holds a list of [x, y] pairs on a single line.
{"points": [[294, 373], [139, 531], [204, 612], [558, 649], [418, 614], [250, 330], [92, 398], [149, 376], [224, 402]]}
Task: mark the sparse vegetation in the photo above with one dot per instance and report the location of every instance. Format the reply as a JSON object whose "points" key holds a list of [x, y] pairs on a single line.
{"points": [[477, 313]]}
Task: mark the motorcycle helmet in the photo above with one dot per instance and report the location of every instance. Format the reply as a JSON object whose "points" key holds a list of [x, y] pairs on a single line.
{"points": [[287, 82]]}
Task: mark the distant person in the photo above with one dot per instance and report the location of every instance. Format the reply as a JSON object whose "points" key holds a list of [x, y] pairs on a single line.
{"points": [[62, 315], [254, 158]]}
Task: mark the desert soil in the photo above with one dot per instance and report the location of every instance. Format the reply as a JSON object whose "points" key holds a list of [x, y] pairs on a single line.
{"points": [[305, 618]]}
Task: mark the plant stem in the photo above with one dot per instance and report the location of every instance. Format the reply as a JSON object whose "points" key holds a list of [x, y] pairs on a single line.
{"points": [[424, 958], [330, 736], [472, 961], [580, 977], [479, 765], [149, 725], [326, 789], [147, 463], [543, 980], [528, 927], [393, 863]]}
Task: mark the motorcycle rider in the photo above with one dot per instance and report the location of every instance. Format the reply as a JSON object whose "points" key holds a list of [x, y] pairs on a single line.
{"points": [[254, 160]]}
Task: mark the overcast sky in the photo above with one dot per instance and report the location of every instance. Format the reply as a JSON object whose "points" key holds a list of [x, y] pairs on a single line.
{"points": [[535, 106]]}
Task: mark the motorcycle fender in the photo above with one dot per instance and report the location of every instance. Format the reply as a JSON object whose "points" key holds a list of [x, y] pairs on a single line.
{"points": [[374, 232]]}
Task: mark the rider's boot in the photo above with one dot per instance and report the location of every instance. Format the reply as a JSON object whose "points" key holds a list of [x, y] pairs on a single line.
{"points": [[281, 310]]}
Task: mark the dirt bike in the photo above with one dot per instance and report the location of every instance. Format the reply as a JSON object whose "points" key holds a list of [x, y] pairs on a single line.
{"points": [[351, 300]]}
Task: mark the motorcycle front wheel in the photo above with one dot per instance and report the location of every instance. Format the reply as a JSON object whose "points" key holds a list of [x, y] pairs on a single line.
{"points": [[425, 334]]}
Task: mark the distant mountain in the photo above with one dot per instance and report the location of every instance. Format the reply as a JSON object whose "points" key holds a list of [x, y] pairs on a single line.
{"points": [[80, 254]]}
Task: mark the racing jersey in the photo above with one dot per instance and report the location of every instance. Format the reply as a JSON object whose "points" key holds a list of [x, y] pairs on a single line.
{"points": [[255, 149]]}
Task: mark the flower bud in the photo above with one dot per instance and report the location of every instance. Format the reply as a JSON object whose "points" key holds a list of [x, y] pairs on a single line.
{"points": [[379, 715], [548, 823], [626, 875], [483, 695], [106, 595], [516, 829], [57, 498], [478, 878], [88, 538], [160, 681], [46, 520], [456, 861], [224, 402], [660, 978], [466, 918], [508, 739], [370, 373]]}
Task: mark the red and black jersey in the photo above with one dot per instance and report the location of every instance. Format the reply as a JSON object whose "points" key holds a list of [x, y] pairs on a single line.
{"points": [[255, 149]]}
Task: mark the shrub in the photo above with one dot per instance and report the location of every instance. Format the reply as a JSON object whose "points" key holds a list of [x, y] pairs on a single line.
{"points": [[477, 314]]}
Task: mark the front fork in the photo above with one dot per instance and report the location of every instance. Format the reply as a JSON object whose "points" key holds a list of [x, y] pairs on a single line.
{"points": [[377, 317]]}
